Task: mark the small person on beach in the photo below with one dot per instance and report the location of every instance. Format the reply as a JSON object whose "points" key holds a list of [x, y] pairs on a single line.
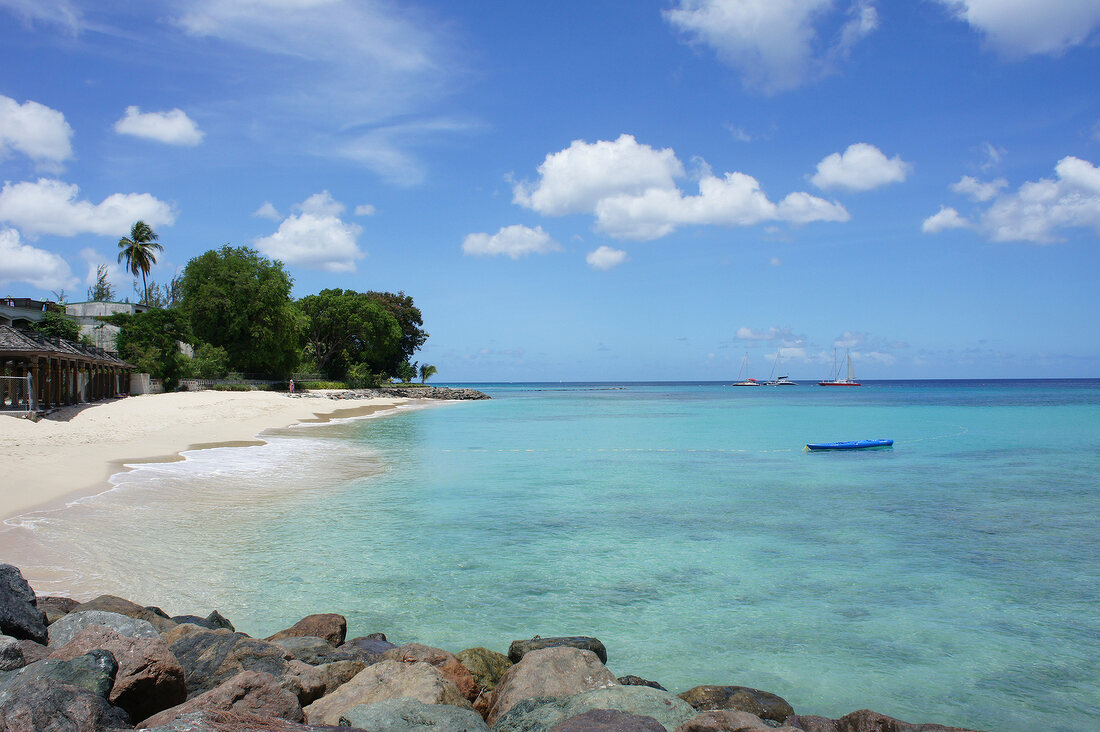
{"points": [[291, 385]]}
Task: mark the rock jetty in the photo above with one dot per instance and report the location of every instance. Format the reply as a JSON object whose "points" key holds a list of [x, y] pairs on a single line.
{"points": [[111, 664], [402, 392]]}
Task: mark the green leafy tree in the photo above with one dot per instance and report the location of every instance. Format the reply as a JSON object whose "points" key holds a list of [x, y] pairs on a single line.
{"points": [[209, 362], [139, 250], [150, 341], [345, 328], [408, 317], [406, 372], [102, 290], [57, 325], [427, 371], [238, 300]]}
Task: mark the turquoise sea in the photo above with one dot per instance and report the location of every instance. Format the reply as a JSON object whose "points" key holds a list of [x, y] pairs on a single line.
{"points": [[954, 578]]}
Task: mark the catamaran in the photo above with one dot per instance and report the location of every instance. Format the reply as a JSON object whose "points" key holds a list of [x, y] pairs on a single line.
{"points": [[836, 381], [747, 382], [783, 380]]}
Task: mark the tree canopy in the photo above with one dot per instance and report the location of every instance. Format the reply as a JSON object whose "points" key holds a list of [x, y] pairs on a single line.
{"points": [[57, 325], [150, 341], [345, 328], [238, 300], [408, 317]]}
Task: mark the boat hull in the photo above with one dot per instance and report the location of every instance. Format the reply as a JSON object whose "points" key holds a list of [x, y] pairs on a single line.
{"points": [[839, 383], [850, 445]]}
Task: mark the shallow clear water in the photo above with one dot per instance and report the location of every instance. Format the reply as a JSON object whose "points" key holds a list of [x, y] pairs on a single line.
{"points": [[954, 578]]}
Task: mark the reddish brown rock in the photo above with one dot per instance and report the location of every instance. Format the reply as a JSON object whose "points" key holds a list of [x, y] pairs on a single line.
{"points": [[448, 665], [56, 607], [763, 704], [865, 720], [725, 720], [149, 677], [330, 626], [250, 692]]}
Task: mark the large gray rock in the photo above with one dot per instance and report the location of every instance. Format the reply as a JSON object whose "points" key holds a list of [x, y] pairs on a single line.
{"points": [[486, 666], [67, 627], [864, 720], [557, 671], [448, 665], [113, 604], [330, 626], [149, 678], [369, 648], [219, 721], [11, 654], [250, 692], [386, 680], [41, 705], [93, 672], [20, 616], [519, 648], [608, 720], [336, 674], [211, 657], [763, 704], [725, 720], [539, 714], [406, 715]]}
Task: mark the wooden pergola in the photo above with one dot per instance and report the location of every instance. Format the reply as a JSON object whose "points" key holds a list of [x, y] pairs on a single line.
{"points": [[62, 372]]}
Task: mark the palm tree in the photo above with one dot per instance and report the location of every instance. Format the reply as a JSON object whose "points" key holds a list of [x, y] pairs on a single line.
{"points": [[139, 252], [427, 371]]}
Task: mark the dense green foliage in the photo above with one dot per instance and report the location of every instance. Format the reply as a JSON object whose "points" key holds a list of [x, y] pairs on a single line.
{"points": [[408, 317], [57, 325], [427, 371], [150, 341], [139, 251], [238, 300], [347, 331]]}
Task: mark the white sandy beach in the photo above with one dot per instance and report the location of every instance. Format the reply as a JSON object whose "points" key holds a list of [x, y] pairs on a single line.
{"points": [[74, 450]]}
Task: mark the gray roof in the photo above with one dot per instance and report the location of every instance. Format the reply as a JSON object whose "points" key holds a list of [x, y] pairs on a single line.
{"points": [[14, 342]]}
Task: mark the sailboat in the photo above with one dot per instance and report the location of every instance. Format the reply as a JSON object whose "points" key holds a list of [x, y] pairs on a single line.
{"points": [[779, 380], [747, 382], [836, 381]]}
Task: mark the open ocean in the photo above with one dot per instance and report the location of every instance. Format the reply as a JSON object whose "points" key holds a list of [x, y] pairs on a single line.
{"points": [[954, 578]]}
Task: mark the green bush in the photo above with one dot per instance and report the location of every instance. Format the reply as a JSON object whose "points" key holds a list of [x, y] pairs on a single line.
{"points": [[237, 387], [307, 385]]}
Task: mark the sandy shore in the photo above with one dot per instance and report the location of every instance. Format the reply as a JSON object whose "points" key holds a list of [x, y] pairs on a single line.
{"points": [[73, 451]]}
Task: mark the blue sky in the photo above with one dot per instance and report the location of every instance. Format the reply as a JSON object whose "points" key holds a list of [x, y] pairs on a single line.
{"points": [[589, 191]]}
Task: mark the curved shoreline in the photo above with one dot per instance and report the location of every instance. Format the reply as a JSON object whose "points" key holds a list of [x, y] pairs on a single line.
{"points": [[73, 453]]}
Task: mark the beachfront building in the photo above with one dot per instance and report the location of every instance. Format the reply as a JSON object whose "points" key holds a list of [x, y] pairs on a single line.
{"points": [[87, 314], [42, 372], [20, 312]]}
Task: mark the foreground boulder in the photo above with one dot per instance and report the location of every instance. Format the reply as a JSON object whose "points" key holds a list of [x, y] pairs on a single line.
{"points": [[249, 691], [864, 720], [336, 674], [220, 721], [113, 604], [486, 666], [518, 649], [448, 665], [608, 720], [540, 714], [40, 705], [94, 672], [308, 649], [329, 626], [368, 648], [382, 681], [68, 627], [406, 715], [149, 678], [739, 699], [211, 657], [20, 616], [558, 671]]}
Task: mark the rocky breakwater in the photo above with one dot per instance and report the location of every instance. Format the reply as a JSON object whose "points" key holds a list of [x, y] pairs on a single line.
{"points": [[404, 392], [111, 664]]}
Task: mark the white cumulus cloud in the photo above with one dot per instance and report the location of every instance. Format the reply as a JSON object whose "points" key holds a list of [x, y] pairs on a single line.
{"points": [[575, 179], [267, 211], [172, 128], [1039, 208], [35, 130], [859, 168], [1029, 27], [511, 241], [632, 191], [775, 44], [944, 219], [605, 258], [50, 206], [315, 237], [977, 190], [21, 262]]}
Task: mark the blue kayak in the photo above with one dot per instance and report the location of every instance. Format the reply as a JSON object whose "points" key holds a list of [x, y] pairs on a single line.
{"points": [[851, 445]]}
